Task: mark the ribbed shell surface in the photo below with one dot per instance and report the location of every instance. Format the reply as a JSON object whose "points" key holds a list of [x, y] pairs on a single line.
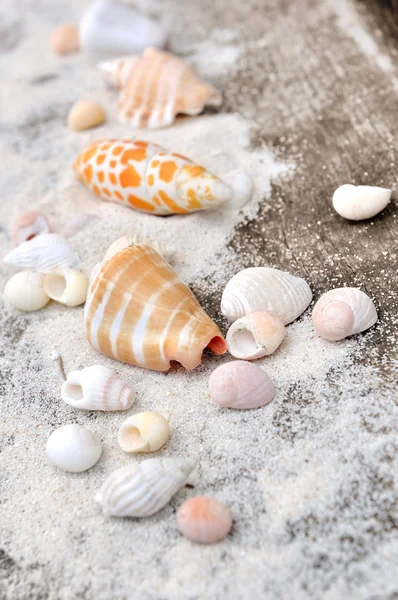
{"points": [[142, 490], [140, 312], [365, 314], [43, 253]]}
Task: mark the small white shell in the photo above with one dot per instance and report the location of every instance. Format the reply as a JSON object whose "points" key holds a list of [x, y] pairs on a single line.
{"points": [[265, 289], [144, 432], [141, 490], [73, 448], [28, 226], [96, 388], [165, 250], [66, 286], [25, 291], [243, 187], [240, 384], [76, 223], [343, 312], [357, 202], [43, 253], [256, 335]]}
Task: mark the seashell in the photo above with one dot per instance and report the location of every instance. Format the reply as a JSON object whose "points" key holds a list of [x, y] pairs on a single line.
{"points": [[85, 115], [254, 336], [65, 39], [147, 178], [205, 520], [28, 226], [140, 312], [66, 286], [243, 188], [125, 241], [43, 253], [145, 432], [141, 490], [76, 223], [264, 289], [343, 312], [158, 87], [25, 291], [357, 202], [110, 28], [96, 388], [239, 384], [73, 448]]}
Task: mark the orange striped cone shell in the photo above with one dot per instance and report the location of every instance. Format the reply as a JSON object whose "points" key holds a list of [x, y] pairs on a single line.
{"points": [[157, 86], [140, 312], [148, 178]]}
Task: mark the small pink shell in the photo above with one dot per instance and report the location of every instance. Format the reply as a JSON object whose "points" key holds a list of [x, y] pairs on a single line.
{"points": [[29, 225], [205, 520], [240, 384]]}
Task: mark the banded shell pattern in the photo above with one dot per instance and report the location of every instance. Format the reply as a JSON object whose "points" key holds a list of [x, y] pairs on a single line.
{"points": [[241, 385], [256, 335], [43, 253], [165, 250]]}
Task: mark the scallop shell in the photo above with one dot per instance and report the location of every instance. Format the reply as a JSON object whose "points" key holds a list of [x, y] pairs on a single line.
{"points": [[144, 432], [73, 448], [343, 312], [25, 291], [165, 250], [241, 385], [29, 225], [43, 253], [256, 335], [141, 490], [205, 520], [66, 286], [96, 388], [145, 177], [360, 202], [158, 87], [140, 312], [263, 289]]}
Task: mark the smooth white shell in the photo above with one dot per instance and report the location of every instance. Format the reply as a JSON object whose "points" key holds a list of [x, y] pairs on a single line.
{"points": [[96, 388], [144, 432], [165, 250], [29, 225], [243, 187], [204, 520], [256, 335], [240, 384], [141, 490], [25, 291], [343, 312], [66, 286], [43, 253], [265, 289], [73, 448], [110, 28], [357, 202], [76, 223]]}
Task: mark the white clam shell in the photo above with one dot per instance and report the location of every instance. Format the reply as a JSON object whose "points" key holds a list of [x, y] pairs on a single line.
{"points": [[29, 225], [264, 289], [343, 312], [25, 291], [357, 202], [256, 335], [141, 490], [144, 432], [73, 448], [243, 187], [66, 286], [96, 388], [109, 28], [43, 253], [241, 385]]}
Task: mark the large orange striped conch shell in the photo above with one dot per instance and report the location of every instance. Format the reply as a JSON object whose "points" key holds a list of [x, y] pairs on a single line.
{"points": [[148, 178], [157, 86], [140, 312]]}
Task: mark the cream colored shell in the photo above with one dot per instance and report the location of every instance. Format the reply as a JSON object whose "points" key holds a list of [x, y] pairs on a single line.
{"points": [[66, 286], [360, 202], [144, 432], [25, 291], [85, 114], [254, 336]]}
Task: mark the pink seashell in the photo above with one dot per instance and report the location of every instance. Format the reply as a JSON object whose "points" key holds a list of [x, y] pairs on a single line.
{"points": [[240, 384], [76, 223], [29, 225], [205, 520], [256, 335]]}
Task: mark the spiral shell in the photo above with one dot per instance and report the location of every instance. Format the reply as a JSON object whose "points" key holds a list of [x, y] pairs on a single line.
{"points": [[256, 335], [29, 225], [241, 385], [144, 432], [141, 490], [43, 253], [96, 388], [360, 202]]}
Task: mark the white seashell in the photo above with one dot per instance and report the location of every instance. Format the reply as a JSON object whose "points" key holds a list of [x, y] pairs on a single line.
{"points": [[256, 335], [77, 223], [243, 187], [165, 250], [343, 312], [264, 289], [357, 202], [141, 490], [43, 253], [96, 388], [145, 432], [28, 226], [73, 448], [66, 286], [110, 28], [25, 291], [240, 384]]}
